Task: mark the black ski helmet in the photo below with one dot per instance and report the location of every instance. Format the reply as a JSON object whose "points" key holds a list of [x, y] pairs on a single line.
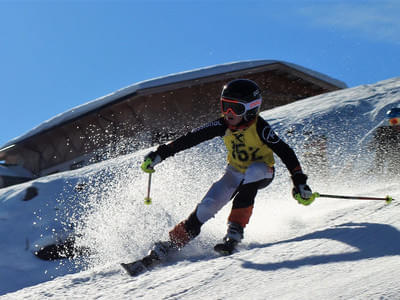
{"points": [[244, 91]]}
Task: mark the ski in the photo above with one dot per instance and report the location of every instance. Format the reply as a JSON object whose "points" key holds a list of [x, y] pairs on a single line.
{"points": [[141, 266]]}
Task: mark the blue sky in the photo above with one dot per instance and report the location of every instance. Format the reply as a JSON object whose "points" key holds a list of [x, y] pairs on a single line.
{"points": [[55, 55]]}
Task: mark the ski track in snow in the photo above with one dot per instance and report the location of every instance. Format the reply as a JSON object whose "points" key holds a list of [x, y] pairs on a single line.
{"points": [[332, 249]]}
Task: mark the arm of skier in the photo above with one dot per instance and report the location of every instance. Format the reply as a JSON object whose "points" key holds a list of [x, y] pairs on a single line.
{"points": [[191, 139], [301, 191]]}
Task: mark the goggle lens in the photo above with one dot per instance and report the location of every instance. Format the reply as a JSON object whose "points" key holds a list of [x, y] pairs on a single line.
{"points": [[235, 107]]}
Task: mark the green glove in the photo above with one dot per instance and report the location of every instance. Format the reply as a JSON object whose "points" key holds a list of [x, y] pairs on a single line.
{"points": [[304, 201], [146, 166], [301, 191], [150, 160]]}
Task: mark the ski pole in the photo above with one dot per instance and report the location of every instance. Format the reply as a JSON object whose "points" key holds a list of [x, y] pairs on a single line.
{"points": [[388, 199], [147, 199]]}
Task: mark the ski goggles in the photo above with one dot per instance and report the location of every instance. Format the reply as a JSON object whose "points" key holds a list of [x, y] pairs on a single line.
{"points": [[238, 108], [394, 121]]}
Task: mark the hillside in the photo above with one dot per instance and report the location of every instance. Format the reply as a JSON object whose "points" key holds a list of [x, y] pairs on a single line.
{"points": [[333, 249]]}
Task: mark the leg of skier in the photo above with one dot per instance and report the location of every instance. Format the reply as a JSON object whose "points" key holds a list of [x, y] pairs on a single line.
{"points": [[217, 196], [257, 176]]}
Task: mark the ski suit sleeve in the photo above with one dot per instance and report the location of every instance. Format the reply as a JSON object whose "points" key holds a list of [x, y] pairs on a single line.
{"points": [[278, 146], [193, 138]]}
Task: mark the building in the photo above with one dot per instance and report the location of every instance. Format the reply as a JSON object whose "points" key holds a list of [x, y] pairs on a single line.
{"points": [[150, 112]]}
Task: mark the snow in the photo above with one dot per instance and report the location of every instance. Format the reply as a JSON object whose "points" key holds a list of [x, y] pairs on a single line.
{"points": [[160, 81], [332, 249]]}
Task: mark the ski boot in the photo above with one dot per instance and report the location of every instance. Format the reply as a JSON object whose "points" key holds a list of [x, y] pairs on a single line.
{"points": [[231, 240], [156, 255], [227, 247], [161, 250]]}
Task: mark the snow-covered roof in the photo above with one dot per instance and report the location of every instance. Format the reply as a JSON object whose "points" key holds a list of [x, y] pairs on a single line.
{"points": [[160, 81]]}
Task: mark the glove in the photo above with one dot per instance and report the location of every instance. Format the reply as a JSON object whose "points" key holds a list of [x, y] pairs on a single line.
{"points": [[150, 160], [303, 194], [301, 191]]}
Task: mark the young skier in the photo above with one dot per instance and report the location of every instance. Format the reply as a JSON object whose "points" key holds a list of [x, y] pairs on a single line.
{"points": [[250, 142]]}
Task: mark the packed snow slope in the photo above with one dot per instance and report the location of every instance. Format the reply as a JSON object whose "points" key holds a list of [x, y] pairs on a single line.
{"points": [[332, 249]]}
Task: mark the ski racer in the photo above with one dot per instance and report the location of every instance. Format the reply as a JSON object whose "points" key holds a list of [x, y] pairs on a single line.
{"points": [[251, 143], [386, 143]]}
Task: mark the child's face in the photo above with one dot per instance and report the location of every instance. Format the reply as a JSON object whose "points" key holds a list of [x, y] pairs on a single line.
{"points": [[233, 119]]}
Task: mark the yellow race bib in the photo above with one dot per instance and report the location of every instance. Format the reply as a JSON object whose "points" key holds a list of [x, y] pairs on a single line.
{"points": [[245, 147]]}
